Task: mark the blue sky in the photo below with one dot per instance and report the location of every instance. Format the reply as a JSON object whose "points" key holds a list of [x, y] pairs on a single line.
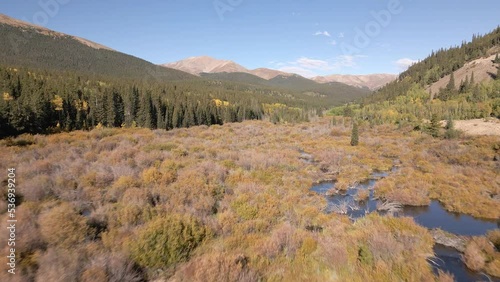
{"points": [[313, 37]]}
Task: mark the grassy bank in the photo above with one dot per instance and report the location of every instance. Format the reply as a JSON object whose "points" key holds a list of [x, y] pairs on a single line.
{"points": [[232, 202]]}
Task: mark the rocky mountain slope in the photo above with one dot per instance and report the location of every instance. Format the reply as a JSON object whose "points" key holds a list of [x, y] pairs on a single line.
{"points": [[370, 81]]}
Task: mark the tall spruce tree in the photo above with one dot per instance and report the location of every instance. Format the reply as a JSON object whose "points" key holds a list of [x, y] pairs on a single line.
{"points": [[355, 134], [451, 132], [451, 83], [434, 126], [145, 114]]}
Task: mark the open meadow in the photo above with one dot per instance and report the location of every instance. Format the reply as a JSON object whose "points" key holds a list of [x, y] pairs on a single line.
{"points": [[233, 202]]}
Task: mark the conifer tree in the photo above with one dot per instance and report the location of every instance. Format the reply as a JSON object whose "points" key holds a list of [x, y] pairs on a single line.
{"points": [[145, 114], [116, 112], [451, 132], [355, 134], [434, 126], [451, 83], [177, 116], [110, 110], [464, 86]]}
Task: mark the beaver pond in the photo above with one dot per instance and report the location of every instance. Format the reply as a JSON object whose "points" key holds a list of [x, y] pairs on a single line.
{"points": [[432, 217]]}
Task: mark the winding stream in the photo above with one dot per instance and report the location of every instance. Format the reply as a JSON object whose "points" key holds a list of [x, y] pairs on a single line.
{"points": [[432, 216]]}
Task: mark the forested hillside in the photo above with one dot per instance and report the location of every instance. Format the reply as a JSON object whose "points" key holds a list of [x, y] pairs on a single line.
{"points": [[302, 88], [52, 82], [40, 101], [27, 47], [408, 100], [439, 64]]}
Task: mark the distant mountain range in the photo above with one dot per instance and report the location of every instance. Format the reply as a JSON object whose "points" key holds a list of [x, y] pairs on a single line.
{"points": [[37, 48], [370, 81], [208, 65], [205, 64]]}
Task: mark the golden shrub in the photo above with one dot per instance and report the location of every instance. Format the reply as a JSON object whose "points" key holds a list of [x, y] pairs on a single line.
{"points": [[63, 226], [166, 241], [122, 184], [493, 267], [473, 257], [494, 237], [309, 245]]}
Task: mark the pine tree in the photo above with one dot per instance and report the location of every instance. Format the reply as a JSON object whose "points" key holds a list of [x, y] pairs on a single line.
{"points": [[355, 134], [116, 111], [110, 110], [434, 126], [449, 91], [449, 123], [177, 115], [480, 94], [451, 132], [451, 83], [464, 86], [99, 109], [145, 114], [497, 59], [189, 116], [168, 116]]}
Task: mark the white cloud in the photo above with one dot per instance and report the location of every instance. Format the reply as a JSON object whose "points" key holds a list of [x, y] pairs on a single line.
{"points": [[309, 67], [341, 35], [324, 33], [298, 70], [312, 63], [348, 61], [333, 42], [405, 63]]}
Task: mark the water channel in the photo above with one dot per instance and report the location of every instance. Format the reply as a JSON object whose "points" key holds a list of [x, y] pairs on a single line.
{"points": [[432, 216]]}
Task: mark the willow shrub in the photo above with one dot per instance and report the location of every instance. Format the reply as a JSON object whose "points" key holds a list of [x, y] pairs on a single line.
{"points": [[166, 241], [63, 226]]}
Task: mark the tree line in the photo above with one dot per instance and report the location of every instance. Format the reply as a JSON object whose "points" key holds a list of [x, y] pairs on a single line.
{"points": [[46, 101], [439, 64], [474, 101]]}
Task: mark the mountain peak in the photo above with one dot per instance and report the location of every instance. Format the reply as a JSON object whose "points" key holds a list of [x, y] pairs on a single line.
{"points": [[205, 64], [370, 81]]}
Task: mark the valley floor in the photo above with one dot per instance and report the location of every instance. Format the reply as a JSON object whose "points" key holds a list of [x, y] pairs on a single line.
{"points": [[479, 126], [233, 202]]}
